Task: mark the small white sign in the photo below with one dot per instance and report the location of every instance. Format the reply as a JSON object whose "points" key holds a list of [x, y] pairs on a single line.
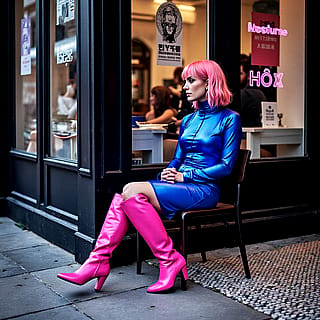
{"points": [[64, 56], [25, 60], [65, 11], [269, 114], [169, 35]]}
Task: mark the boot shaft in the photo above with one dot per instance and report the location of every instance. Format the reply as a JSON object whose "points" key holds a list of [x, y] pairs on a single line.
{"points": [[148, 223]]}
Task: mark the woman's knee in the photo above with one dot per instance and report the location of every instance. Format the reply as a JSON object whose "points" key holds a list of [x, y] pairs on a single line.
{"points": [[133, 188]]}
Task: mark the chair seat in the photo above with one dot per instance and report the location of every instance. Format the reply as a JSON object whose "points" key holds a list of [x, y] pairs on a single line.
{"points": [[220, 207]]}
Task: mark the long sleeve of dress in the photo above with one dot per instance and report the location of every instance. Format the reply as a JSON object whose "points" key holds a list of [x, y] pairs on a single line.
{"points": [[215, 147], [206, 151]]}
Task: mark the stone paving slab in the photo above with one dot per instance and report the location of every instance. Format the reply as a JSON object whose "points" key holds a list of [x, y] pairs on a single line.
{"points": [[13, 237], [40, 257], [8, 226], [121, 279], [195, 303], [18, 240], [9, 268], [29, 288], [60, 313], [24, 294]]}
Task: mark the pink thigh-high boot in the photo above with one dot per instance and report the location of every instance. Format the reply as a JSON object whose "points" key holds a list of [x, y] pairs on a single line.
{"points": [[148, 223], [97, 265]]}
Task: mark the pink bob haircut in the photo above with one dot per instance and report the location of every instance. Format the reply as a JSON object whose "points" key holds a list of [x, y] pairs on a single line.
{"points": [[218, 91]]}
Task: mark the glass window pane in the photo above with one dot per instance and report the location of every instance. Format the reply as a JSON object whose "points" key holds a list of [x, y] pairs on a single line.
{"points": [[272, 67], [149, 74], [26, 107], [63, 104]]}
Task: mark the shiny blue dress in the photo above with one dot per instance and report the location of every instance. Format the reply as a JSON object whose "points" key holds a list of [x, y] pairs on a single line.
{"points": [[207, 149]]}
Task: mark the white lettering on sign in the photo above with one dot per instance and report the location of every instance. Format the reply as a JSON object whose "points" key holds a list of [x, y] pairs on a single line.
{"points": [[64, 56], [252, 27]]}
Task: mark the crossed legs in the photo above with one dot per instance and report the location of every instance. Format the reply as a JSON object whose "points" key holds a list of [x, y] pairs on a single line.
{"points": [[138, 203], [133, 188]]}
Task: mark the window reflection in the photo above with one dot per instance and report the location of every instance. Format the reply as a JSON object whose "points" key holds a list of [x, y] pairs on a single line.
{"points": [[63, 80], [26, 108], [155, 142], [272, 96]]}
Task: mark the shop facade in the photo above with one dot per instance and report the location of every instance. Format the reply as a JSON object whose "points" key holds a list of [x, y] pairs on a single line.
{"points": [[75, 71]]}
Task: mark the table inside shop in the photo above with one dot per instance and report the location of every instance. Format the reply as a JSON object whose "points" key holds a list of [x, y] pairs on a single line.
{"points": [[65, 145], [289, 141], [150, 142]]}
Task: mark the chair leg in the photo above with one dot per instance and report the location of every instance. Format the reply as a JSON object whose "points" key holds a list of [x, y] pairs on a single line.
{"points": [[139, 262], [203, 252], [245, 261], [183, 247], [242, 246], [203, 256]]}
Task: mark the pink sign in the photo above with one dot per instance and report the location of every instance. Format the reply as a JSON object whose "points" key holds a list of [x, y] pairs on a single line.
{"points": [[265, 39]]}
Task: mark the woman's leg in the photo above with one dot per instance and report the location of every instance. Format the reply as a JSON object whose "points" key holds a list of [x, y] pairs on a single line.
{"points": [[133, 188], [146, 220], [97, 265]]}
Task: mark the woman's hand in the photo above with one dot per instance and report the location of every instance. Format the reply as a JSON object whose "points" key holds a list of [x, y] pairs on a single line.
{"points": [[171, 175]]}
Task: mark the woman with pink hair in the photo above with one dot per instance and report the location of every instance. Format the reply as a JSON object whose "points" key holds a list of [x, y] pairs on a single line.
{"points": [[208, 144]]}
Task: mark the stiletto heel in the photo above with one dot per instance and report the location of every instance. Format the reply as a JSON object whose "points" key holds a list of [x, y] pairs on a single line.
{"points": [[184, 272], [184, 278], [99, 283]]}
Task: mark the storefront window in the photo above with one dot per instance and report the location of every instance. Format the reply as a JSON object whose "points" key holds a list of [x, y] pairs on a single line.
{"points": [[162, 44], [26, 107], [63, 49], [272, 77]]}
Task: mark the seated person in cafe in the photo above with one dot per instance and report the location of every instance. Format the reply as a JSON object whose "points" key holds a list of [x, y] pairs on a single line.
{"points": [[67, 104], [179, 98], [161, 110]]}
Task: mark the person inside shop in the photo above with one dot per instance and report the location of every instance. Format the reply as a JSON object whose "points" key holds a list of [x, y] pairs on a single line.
{"points": [[250, 103], [207, 150], [67, 103], [161, 110], [179, 99], [250, 97], [176, 88]]}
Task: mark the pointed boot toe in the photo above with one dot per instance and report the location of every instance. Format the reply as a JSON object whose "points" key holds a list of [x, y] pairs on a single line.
{"points": [[89, 270], [71, 277]]}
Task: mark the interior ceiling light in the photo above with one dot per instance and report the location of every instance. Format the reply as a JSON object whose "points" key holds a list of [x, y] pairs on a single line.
{"points": [[180, 4]]}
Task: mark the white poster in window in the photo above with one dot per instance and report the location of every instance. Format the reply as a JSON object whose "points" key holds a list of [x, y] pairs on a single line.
{"points": [[25, 68], [169, 35], [65, 11], [269, 114]]}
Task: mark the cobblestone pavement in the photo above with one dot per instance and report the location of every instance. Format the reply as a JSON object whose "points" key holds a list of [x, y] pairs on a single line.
{"points": [[285, 281]]}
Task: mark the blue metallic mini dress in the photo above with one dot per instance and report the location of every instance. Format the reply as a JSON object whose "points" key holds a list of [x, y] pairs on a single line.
{"points": [[207, 149]]}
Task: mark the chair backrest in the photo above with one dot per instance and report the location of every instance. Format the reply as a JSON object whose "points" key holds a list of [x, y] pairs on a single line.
{"points": [[240, 167], [230, 184]]}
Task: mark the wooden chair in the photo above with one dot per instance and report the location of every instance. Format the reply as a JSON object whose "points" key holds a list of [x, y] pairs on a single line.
{"points": [[231, 186], [169, 147]]}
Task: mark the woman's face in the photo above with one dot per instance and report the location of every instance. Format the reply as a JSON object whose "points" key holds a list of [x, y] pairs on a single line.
{"points": [[195, 89], [153, 99]]}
